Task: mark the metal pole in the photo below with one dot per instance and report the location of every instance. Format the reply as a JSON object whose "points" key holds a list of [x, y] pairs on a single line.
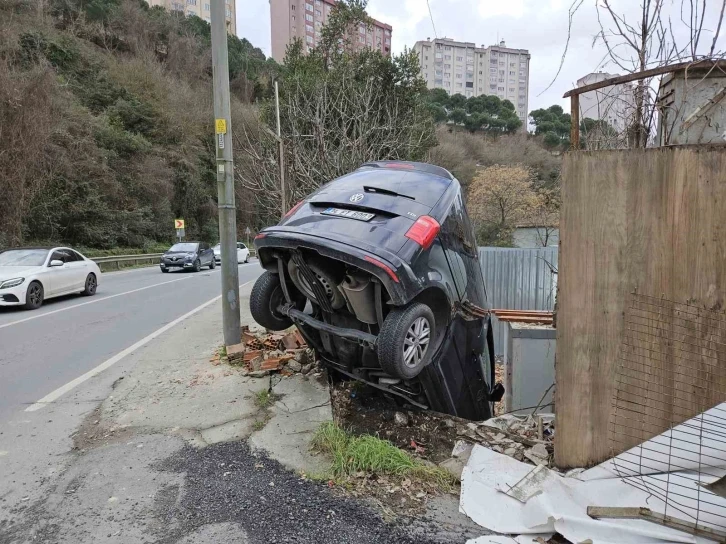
{"points": [[225, 177], [283, 191]]}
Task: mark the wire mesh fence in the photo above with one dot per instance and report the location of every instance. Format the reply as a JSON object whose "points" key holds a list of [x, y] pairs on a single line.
{"points": [[669, 409]]}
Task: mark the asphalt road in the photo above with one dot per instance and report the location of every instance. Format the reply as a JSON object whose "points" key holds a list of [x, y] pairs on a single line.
{"points": [[44, 350]]}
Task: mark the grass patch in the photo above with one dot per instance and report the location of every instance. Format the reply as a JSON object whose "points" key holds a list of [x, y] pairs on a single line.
{"points": [[369, 454], [222, 352], [264, 398]]}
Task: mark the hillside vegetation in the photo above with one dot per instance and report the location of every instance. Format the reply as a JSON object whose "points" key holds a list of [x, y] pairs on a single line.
{"points": [[105, 121]]}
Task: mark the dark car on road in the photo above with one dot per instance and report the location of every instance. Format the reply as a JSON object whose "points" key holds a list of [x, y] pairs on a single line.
{"points": [[379, 270], [188, 256]]}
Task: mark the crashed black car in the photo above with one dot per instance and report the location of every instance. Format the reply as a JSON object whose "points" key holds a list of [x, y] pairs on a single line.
{"points": [[379, 270]]}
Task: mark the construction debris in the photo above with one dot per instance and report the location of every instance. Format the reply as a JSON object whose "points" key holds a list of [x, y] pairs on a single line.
{"points": [[262, 353]]}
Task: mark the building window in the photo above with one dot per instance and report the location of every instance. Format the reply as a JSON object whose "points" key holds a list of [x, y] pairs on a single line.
{"points": [[439, 55], [228, 13], [387, 32], [511, 89], [459, 59], [512, 64], [458, 84], [388, 41], [522, 88], [309, 7], [361, 39], [447, 74], [318, 2], [309, 17], [493, 61], [447, 57], [427, 57], [492, 70], [470, 84], [501, 80], [439, 73], [293, 18], [192, 2], [502, 63], [447, 84], [318, 24], [493, 87], [447, 66], [206, 7], [494, 54], [292, 8], [458, 76], [438, 82], [447, 48], [309, 28], [512, 73], [318, 13], [309, 39], [480, 72]]}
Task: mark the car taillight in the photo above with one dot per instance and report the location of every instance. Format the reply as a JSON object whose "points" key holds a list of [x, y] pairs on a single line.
{"points": [[294, 208], [423, 231], [260, 235], [384, 266]]}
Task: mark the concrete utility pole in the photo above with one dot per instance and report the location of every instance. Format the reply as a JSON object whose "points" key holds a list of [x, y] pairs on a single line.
{"points": [[225, 177]]}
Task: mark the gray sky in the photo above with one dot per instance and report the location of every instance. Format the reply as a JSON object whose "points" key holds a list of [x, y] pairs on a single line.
{"points": [[537, 25]]}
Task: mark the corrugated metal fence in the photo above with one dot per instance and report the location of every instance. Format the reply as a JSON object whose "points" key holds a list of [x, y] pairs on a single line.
{"points": [[518, 279]]}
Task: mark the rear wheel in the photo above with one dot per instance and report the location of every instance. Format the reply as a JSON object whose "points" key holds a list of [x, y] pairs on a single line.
{"points": [[247, 258], [212, 264], [91, 285], [405, 340], [34, 296], [266, 296]]}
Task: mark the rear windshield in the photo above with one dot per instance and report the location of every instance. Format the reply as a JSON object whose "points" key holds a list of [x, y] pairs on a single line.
{"points": [[23, 257], [184, 247]]}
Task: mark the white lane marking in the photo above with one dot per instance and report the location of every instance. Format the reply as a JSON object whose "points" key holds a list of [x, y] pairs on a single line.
{"points": [[55, 395], [92, 302]]}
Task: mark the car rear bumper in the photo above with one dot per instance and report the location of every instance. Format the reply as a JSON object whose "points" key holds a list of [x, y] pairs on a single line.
{"points": [[395, 274], [15, 296]]}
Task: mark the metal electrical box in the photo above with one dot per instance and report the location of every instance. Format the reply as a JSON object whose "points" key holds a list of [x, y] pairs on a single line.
{"points": [[529, 366]]}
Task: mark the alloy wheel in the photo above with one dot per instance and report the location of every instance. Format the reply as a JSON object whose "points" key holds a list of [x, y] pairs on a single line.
{"points": [[416, 342]]}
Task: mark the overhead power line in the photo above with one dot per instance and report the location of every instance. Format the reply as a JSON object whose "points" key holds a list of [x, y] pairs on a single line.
{"points": [[432, 19]]}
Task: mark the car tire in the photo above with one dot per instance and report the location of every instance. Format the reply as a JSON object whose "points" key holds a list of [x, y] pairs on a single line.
{"points": [[34, 296], [91, 285], [197, 265], [405, 341], [247, 259], [265, 297], [164, 270], [212, 264]]}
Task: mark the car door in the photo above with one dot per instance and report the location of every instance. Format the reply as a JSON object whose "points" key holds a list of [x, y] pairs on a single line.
{"points": [[204, 251], [60, 277], [79, 270], [242, 252]]}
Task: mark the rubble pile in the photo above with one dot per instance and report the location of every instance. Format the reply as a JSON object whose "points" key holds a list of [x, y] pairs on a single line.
{"points": [[526, 438], [260, 354]]}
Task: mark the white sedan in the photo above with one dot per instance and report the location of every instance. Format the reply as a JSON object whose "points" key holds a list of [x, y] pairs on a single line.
{"points": [[243, 254], [28, 276]]}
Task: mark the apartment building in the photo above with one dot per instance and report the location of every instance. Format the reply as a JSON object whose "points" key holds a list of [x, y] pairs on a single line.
{"points": [[614, 104], [200, 8], [304, 19], [462, 67]]}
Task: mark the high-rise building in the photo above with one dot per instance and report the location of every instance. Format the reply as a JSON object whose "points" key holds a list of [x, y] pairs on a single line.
{"points": [[462, 67], [304, 19], [614, 104], [200, 8]]}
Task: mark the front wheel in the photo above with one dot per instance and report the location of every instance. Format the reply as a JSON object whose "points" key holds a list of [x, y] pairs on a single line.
{"points": [[212, 264], [265, 297], [405, 341], [197, 265], [247, 259], [91, 285], [34, 296]]}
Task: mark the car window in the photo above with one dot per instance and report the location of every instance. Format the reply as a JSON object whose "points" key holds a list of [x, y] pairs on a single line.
{"points": [[242, 246], [205, 247], [185, 246], [70, 256], [77, 255], [59, 255]]}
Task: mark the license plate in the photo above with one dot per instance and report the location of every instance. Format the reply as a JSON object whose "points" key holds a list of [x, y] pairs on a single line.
{"points": [[350, 214]]}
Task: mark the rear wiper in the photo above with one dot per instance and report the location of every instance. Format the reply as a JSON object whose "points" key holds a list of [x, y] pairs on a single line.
{"points": [[369, 189]]}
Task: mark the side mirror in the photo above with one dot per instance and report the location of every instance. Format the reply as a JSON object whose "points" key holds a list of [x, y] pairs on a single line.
{"points": [[56, 262]]}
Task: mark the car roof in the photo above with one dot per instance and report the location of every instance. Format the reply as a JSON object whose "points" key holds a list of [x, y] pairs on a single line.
{"points": [[44, 248], [410, 165]]}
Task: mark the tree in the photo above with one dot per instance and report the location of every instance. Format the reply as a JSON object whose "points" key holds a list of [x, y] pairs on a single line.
{"points": [[438, 112], [553, 124], [438, 96], [339, 108], [498, 197], [457, 100], [458, 116]]}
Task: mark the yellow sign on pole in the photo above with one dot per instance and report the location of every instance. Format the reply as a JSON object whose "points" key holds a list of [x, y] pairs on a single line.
{"points": [[221, 126], [178, 223]]}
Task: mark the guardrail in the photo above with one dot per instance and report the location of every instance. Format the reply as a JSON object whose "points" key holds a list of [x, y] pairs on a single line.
{"points": [[115, 261]]}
